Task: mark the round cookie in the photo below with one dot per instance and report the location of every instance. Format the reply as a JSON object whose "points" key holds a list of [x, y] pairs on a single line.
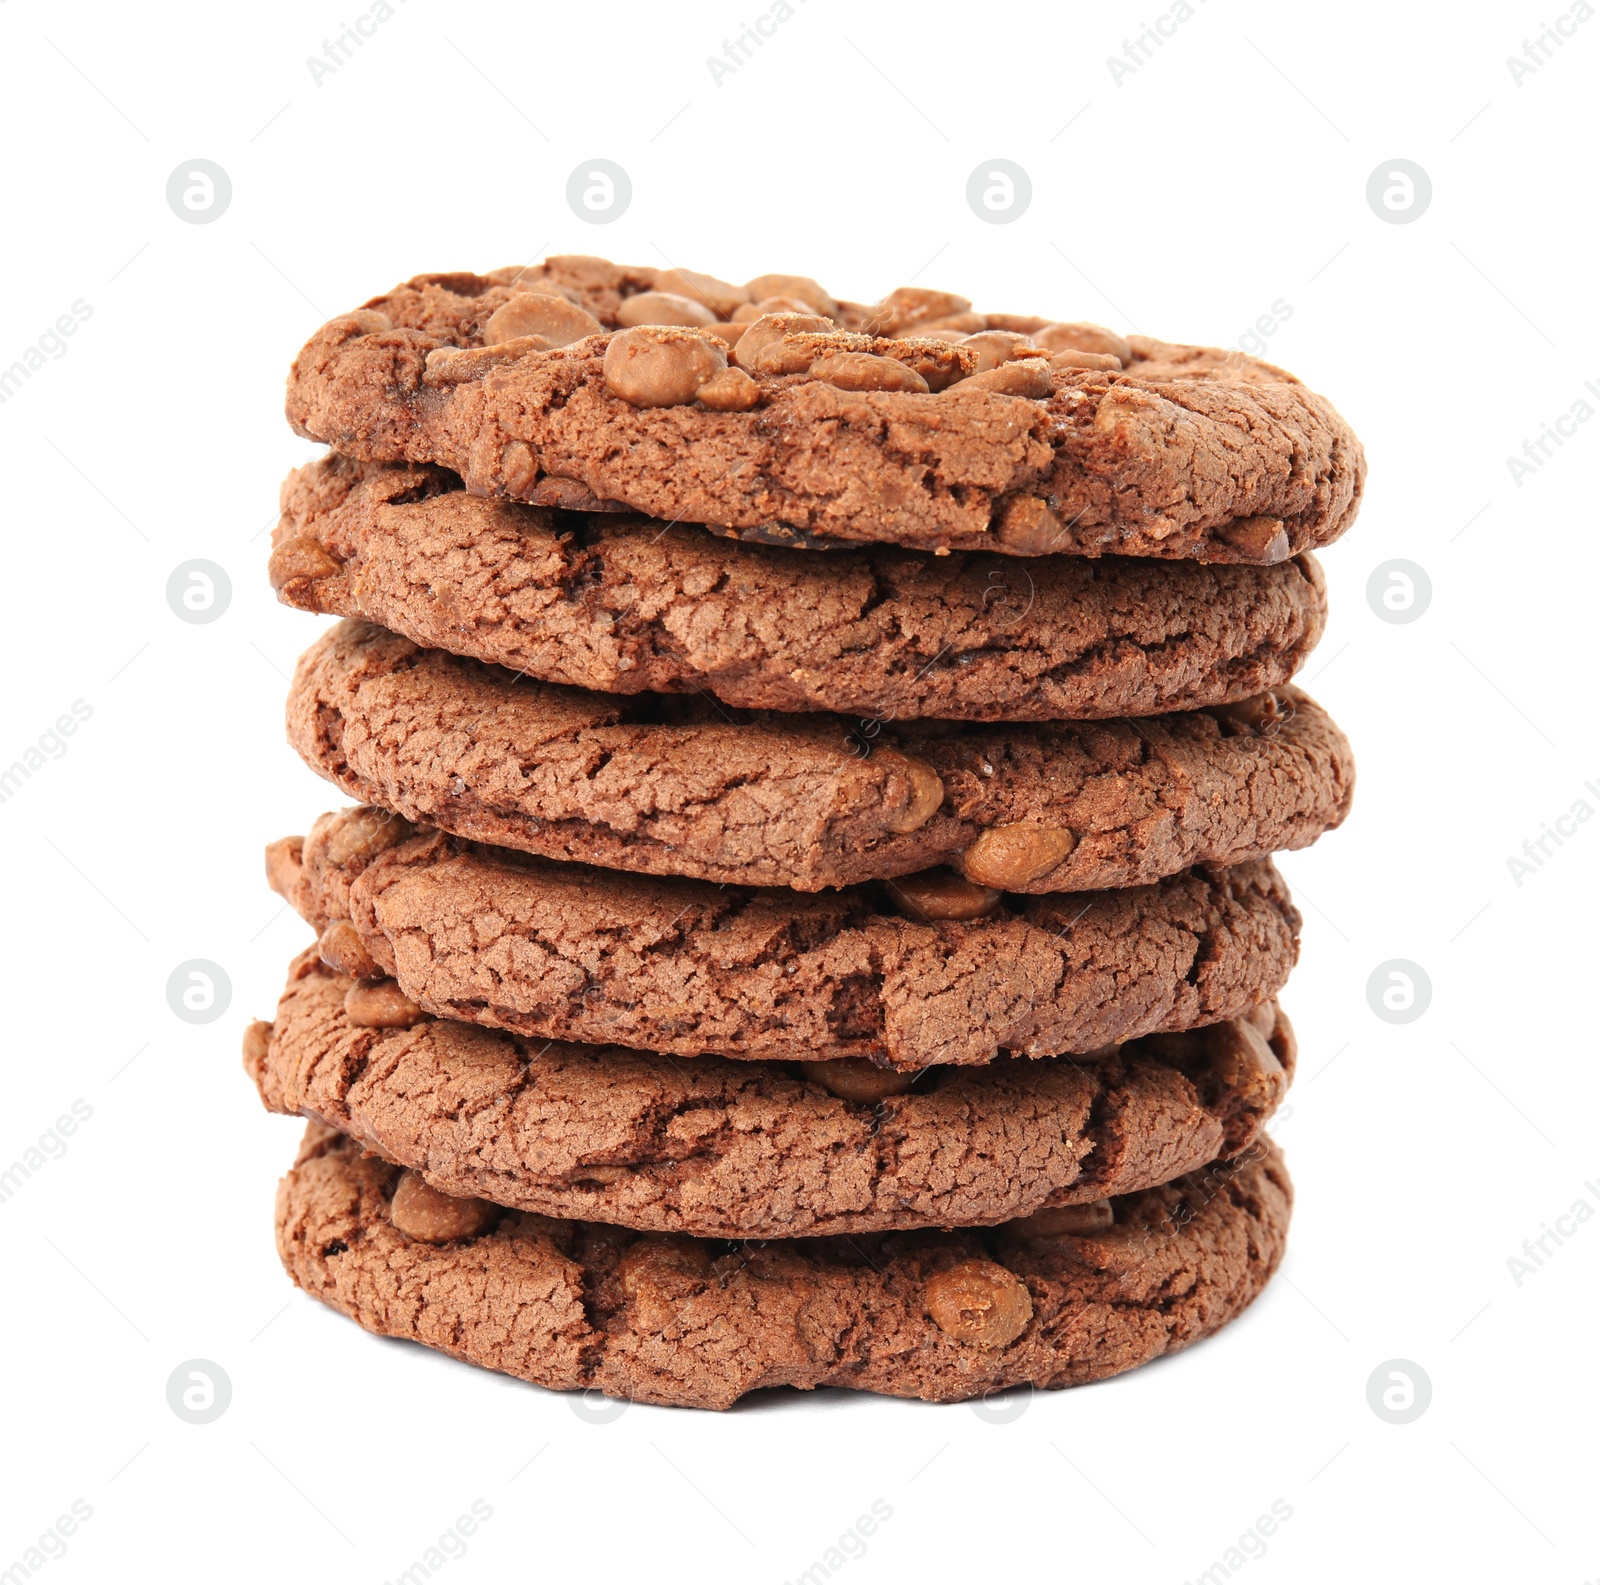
{"points": [[722, 1149], [682, 788], [621, 604], [819, 433], [1069, 1296], [567, 952]]}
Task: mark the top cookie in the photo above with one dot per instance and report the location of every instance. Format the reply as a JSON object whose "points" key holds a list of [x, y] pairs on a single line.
{"points": [[786, 416]]}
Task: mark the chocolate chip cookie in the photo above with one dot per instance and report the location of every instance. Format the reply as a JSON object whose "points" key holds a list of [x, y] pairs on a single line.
{"points": [[814, 423], [757, 1150], [568, 952], [1066, 1296], [623, 604], [686, 788]]}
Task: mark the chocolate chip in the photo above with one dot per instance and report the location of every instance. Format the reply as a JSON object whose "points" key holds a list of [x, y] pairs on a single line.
{"points": [[1013, 856], [770, 329], [381, 1004], [661, 365], [362, 833], [300, 560], [923, 790], [424, 1213], [1082, 337], [979, 1303], [1025, 526], [994, 347], [721, 297], [942, 894], [664, 308], [1262, 540], [1029, 377], [1084, 360], [866, 371], [729, 391], [800, 287], [340, 946], [559, 322], [908, 306], [458, 365]]}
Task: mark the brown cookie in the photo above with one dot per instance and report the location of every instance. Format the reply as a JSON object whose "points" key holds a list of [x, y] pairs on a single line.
{"points": [[563, 951], [1067, 1296], [683, 788], [816, 432], [757, 1150], [623, 604]]}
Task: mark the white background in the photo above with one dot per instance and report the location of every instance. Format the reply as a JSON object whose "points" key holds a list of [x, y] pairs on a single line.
{"points": [[1224, 174]]}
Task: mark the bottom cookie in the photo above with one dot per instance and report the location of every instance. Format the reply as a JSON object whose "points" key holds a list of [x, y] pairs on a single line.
{"points": [[1066, 1296]]}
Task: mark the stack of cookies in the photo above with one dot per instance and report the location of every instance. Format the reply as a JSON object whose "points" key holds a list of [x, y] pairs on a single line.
{"points": [[807, 916]]}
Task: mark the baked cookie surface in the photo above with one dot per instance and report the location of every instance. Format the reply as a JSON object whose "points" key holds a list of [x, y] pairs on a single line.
{"points": [[623, 604], [713, 1148], [1068, 1296], [860, 425], [685, 788], [568, 952]]}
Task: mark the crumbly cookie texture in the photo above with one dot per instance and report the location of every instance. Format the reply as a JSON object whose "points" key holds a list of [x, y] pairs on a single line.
{"points": [[683, 788], [812, 426], [622, 604], [760, 1150], [1068, 1296], [567, 952]]}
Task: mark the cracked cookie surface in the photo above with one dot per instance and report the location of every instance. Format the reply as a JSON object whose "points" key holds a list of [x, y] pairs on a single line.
{"points": [[565, 951], [1057, 1300], [713, 1148], [623, 604], [684, 788]]}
